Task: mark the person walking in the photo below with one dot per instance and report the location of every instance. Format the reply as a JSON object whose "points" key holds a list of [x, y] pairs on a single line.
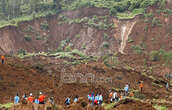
{"points": [[75, 99], [67, 102], [2, 59], [30, 98], [41, 98], [16, 99], [100, 99], [126, 89], [141, 86], [167, 86]]}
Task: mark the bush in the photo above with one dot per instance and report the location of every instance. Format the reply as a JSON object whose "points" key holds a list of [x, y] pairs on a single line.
{"points": [[155, 56], [21, 51], [113, 11], [139, 95], [44, 26], [167, 57], [137, 48], [130, 40], [105, 44], [160, 107], [106, 37], [27, 38], [68, 48], [156, 22]]}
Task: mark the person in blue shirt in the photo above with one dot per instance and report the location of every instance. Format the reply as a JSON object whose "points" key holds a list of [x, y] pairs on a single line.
{"points": [[126, 89], [36, 101], [67, 101], [96, 99], [92, 99], [75, 99], [16, 99], [100, 99]]}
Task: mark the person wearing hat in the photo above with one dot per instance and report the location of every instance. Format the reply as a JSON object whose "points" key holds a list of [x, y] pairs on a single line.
{"points": [[41, 98], [30, 98]]}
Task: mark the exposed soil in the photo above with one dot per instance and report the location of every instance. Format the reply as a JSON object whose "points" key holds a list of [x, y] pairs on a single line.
{"points": [[133, 105]]}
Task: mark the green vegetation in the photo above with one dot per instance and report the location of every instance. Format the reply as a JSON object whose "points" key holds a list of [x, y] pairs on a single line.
{"points": [[78, 36], [99, 22], [155, 55], [27, 38], [106, 36], [110, 61], [14, 11], [8, 105], [137, 48], [108, 106], [156, 85], [139, 95], [130, 40], [29, 28], [124, 9], [44, 26], [105, 44], [160, 107], [167, 57], [156, 22], [21, 52]]}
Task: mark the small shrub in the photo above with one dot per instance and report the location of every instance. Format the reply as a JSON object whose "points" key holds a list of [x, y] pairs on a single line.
{"points": [[154, 56], [21, 51], [146, 28], [38, 38], [167, 57], [113, 11], [160, 107], [106, 37], [139, 95], [155, 22], [137, 48], [27, 38], [105, 44], [77, 36], [44, 26], [130, 40], [29, 29], [68, 48]]}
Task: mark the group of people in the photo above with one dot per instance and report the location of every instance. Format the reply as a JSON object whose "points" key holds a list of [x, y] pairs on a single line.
{"points": [[68, 101], [30, 99], [95, 99], [116, 96]]}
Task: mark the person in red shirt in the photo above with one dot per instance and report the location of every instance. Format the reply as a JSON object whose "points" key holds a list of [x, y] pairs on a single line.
{"points": [[41, 98], [30, 98]]}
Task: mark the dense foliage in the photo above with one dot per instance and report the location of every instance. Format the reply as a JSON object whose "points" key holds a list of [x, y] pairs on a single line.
{"points": [[30, 9]]}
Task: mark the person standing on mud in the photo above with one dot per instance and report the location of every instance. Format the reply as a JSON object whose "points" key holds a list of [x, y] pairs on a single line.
{"points": [[141, 86], [167, 86], [126, 89], [30, 98], [16, 99], [41, 98], [2, 59]]}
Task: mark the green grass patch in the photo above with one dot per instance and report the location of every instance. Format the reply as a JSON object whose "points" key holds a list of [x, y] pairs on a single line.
{"points": [[8, 105], [130, 15], [160, 107]]}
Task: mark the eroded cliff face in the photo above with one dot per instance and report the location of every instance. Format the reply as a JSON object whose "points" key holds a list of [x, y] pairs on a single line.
{"points": [[47, 33]]}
